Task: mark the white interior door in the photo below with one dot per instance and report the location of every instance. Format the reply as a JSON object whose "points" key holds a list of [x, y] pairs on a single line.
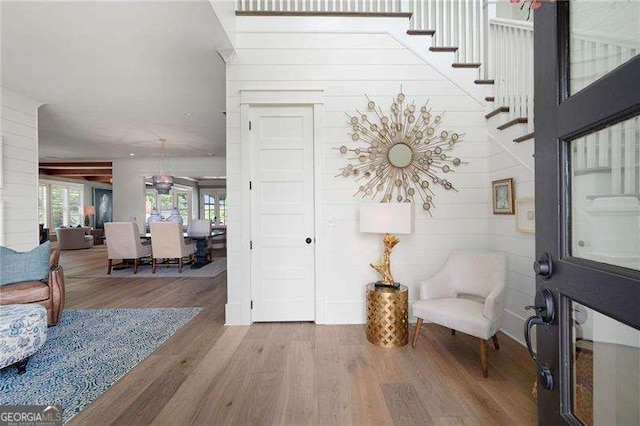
{"points": [[283, 286]]}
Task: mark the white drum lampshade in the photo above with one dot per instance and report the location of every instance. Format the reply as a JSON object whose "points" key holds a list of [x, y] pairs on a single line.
{"points": [[387, 218]]}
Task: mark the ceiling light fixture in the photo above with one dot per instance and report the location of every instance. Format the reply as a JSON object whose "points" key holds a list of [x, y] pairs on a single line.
{"points": [[162, 182], [131, 154]]}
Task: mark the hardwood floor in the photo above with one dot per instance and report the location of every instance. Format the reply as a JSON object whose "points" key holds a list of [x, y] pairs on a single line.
{"points": [[294, 373]]}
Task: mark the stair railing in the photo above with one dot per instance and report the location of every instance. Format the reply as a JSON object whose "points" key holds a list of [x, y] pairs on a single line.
{"points": [[326, 6], [460, 23], [510, 64]]}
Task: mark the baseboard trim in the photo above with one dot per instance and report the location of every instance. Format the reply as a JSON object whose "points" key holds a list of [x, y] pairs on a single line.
{"points": [[510, 326], [353, 312], [233, 315]]}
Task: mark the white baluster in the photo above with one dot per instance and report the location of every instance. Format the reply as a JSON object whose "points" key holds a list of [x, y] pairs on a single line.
{"points": [[630, 158], [591, 151], [616, 159], [580, 158]]}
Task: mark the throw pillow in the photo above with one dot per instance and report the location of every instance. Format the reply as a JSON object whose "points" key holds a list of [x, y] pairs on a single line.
{"points": [[28, 266]]}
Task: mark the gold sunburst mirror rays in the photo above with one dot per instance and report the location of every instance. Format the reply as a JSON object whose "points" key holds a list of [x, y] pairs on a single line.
{"points": [[401, 155]]}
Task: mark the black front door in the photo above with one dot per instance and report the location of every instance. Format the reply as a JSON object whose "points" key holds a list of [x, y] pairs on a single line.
{"points": [[587, 153]]}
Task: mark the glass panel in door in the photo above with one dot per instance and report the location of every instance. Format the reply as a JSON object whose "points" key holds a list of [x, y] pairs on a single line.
{"points": [[604, 34], [605, 369], [605, 192]]}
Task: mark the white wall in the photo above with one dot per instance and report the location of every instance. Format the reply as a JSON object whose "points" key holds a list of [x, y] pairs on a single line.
{"points": [[507, 10], [346, 65], [519, 247], [128, 180], [19, 194]]}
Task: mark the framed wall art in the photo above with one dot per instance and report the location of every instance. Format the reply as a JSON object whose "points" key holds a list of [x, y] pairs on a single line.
{"points": [[526, 215], [103, 202], [502, 196]]}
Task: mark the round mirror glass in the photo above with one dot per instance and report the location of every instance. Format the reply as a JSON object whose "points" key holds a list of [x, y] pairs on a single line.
{"points": [[400, 155]]}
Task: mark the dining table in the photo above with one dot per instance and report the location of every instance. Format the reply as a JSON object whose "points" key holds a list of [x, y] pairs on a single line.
{"points": [[201, 245]]}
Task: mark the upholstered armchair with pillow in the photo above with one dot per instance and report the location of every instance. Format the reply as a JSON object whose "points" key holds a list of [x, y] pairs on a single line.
{"points": [[467, 295], [33, 277], [167, 242], [73, 238], [123, 242]]}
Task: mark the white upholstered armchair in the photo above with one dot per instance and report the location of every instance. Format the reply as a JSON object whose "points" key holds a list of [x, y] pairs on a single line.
{"points": [[466, 295]]}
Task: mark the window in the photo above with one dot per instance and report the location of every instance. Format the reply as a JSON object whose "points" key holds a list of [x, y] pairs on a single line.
{"points": [[222, 209], [60, 204], [177, 197], [214, 205], [42, 205], [209, 206]]}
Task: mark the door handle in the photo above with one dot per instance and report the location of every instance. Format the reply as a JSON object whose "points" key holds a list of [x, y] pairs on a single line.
{"points": [[544, 307], [308, 240]]}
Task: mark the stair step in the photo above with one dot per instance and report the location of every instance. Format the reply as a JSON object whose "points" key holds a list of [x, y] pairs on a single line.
{"points": [[484, 81], [524, 138], [521, 120], [339, 14], [421, 32], [496, 112], [443, 49], [465, 65]]}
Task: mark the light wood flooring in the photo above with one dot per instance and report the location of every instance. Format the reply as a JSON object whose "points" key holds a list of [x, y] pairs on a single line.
{"points": [[293, 373]]}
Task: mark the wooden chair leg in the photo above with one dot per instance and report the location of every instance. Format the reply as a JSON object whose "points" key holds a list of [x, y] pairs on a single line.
{"points": [[495, 341], [453, 332], [416, 332], [135, 266], [153, 265], [109, 265], [483, 357], [180, 265]]}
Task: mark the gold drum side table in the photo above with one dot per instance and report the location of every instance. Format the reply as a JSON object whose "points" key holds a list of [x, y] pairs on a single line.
{"points": [[387, 316]]}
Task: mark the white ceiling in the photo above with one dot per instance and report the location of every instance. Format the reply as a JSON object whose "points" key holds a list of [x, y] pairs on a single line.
{"points": [[116, 76]]}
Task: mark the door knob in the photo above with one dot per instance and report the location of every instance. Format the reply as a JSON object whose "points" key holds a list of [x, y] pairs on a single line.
{"points": [[544, 266], [545, 313], [308, 240]]}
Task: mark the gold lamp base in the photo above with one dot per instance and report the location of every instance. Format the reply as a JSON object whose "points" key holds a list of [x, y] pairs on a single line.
{"points": [[383, 267]]}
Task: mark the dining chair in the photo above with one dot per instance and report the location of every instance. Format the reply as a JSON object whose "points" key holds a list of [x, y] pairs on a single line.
{"points": [[167, 243], [123, 242]]}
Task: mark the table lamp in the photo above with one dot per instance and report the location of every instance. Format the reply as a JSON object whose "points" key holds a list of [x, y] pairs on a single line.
{"points": [[386, 218], [88, 210]]}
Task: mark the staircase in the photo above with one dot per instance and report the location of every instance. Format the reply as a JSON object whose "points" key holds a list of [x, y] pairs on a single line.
{"points": [[467, 42], [490, 58]]}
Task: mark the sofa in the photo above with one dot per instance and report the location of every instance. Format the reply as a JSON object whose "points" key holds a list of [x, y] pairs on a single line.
{"points": [[74, 238], [48, 292]]}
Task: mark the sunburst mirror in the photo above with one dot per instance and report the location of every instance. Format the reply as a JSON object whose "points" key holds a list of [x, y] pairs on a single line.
{"points": [[403, 154]]}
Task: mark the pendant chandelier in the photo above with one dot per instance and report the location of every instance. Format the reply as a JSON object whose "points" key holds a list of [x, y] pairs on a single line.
{"points": [[162, 182]]}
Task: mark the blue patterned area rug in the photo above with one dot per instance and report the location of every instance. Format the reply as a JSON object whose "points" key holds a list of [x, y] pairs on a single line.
{"points": [[87, 352]]}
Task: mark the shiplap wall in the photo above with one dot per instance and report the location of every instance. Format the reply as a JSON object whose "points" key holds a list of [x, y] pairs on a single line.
{"points": [[19, 194], [331, 56], [519, 247]]}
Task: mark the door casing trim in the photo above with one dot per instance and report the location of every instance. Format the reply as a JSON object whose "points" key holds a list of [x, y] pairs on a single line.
{"points": [[249, 98]]}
